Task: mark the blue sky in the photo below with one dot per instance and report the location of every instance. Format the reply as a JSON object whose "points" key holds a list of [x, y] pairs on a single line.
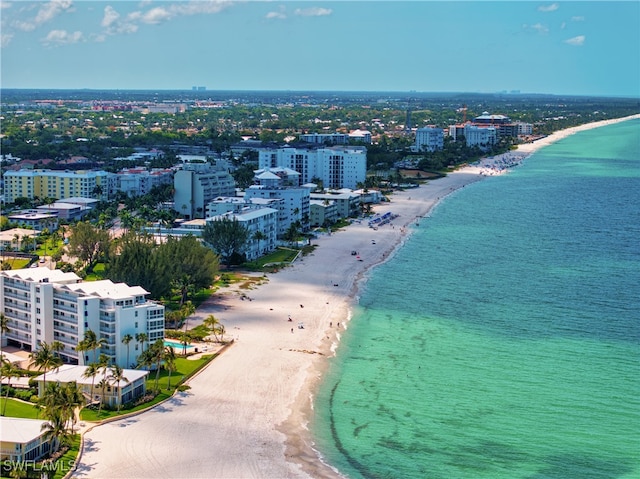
{"points": [[580, 48]]}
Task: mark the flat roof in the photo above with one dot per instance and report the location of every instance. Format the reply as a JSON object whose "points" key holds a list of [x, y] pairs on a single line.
{"points": [[41, 273], [20, 430], [69, 373], [107, 289]]}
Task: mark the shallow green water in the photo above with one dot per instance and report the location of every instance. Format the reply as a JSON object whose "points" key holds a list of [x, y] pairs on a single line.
{"points": [[503, 339]]}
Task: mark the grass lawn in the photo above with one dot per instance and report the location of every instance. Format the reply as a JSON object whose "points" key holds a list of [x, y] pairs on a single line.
{"points": [[20, 409], [97, 274], [18, 263], [281, 255], [185, 368]]}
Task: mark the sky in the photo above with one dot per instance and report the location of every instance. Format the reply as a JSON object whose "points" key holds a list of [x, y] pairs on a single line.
{"points": [[565, 48]]}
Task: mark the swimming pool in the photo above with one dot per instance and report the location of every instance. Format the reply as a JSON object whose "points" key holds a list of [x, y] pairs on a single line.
{"points": [[178, 346]]}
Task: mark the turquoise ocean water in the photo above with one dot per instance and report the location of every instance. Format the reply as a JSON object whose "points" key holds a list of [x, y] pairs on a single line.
{"points": [[503, 339]]}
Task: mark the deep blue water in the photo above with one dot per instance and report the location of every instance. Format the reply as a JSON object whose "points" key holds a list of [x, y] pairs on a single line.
{"points": [[503, 339]]}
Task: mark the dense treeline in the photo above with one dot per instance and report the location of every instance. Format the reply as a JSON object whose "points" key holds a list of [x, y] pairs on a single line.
{"points": [[181, 264], [61, 132]]}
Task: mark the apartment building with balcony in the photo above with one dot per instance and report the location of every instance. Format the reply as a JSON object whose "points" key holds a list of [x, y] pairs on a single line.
{"points": [[336, 166], [58, 184], [196, 184], [50, 305]]}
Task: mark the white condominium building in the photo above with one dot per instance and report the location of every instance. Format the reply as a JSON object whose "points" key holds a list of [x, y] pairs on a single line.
{"points": [[474, 135], [429, 139], [58, 184], [199, 183], [50, 305], [336, 166], [263, 220], [293, 207]]}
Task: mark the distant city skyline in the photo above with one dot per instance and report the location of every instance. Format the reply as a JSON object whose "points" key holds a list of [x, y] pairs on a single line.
{"points": [[587, 48]]}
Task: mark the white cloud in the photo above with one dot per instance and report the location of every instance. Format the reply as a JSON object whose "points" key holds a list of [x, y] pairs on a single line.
{"points": [[280, 14], [62, 37], [313, 12], [540, 28], [548, 8], [576, 41], [537, 27], [24, 26], [156, 15], [578, 18], [198, 7], [277, 15], [5, 39], [47, 12], [50, 10], [110, 16]]}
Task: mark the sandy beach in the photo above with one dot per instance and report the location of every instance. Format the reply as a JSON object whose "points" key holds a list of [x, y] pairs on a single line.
{"points": [[246, 415]]}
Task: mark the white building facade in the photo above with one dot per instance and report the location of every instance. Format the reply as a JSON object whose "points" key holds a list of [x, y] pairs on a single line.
{"points": [[196, 184], [336, 167], [44, 305], [293, 204], [429, 139], [254, 220]]}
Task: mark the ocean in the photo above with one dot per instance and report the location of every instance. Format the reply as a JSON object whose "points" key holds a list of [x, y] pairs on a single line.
{"points": [[502, 340]]}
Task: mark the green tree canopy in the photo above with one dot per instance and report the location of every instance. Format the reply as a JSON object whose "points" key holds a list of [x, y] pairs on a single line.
{"points": [[227, 237], [88, 243]]}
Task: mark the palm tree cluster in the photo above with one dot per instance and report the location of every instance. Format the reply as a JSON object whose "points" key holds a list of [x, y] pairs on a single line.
{"points": [[59, 403], [158, 355], [8, 370]]}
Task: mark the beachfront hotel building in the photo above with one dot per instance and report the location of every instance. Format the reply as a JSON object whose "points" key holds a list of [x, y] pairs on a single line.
{"points": [[429, 139], [474, 135], [255, 219], [335, 166], [347, 203], [292, 204], [196, 184], [44, 305], [58, 184]]}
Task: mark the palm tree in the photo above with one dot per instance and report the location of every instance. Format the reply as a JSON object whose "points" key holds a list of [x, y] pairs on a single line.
{"points": [[126, 339], [157, 355], [91, 372], [117, 376], [8, 370], [169, 362], [56, 347], [211, 322], [259, 236], [73, 399], [103, 386], [91, 343], [4, 326], [59, 404], [44, 359], [145, 360], [141, 338]]}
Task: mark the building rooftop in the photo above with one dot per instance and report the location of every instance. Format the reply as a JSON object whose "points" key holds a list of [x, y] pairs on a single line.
{"points": [[107, 289], [70, 373], [20, 430], [42, 275]]}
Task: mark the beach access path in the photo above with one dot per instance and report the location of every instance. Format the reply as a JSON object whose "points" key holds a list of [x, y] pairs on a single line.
{"points": [[247, 414]]}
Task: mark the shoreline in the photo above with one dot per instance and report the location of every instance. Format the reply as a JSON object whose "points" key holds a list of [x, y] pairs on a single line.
{"points": [[248, 413], [486, 167]]}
